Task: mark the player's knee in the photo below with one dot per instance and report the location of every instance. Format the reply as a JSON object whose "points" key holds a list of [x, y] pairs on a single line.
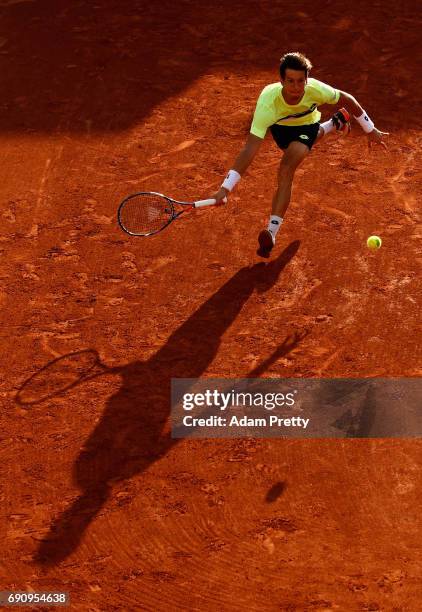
{"points": [[287, 169]]}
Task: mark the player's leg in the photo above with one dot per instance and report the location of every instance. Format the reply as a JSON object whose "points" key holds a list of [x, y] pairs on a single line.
{"points": [[292, 158], [321, 134]]}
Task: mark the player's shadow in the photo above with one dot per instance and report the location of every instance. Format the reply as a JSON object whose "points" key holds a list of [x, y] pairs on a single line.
{"points": [[129, 436], [358, 399]]}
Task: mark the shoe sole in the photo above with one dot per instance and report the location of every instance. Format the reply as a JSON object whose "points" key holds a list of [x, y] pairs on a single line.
{"points": [[346, 127], [345, 113], [265, 244]]}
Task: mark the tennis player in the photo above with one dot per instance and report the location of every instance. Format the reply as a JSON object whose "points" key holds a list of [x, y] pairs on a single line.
{"points": [[289, 108]]}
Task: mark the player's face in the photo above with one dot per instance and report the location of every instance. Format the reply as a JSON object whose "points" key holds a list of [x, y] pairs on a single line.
{"points": [[293, 85]]}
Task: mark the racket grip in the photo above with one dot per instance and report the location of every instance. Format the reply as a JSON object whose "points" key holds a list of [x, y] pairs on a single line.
{"points": [[210, 202]]}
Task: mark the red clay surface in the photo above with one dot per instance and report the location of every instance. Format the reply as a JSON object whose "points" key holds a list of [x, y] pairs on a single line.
{"points": [[105, 98]]}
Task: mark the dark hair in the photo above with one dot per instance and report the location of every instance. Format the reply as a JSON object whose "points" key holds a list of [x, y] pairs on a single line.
{"points": [[294, 61]]}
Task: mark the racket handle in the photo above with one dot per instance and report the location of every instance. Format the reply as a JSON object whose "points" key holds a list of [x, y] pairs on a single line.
{"points": [[210, 202]]}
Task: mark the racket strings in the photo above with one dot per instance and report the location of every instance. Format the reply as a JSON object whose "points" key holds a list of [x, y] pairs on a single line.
{"points": [[145, 214]]}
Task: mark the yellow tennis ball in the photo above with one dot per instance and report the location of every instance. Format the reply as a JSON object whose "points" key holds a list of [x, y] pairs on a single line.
{"points": [[374, 242]]}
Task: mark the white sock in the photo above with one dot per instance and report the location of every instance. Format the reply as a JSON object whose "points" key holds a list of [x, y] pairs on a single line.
{"points": [[274, 225], [328, 126]]}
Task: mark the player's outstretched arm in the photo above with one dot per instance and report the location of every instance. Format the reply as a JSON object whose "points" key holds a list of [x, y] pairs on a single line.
{"points": [[375, 136], [242, 163]]}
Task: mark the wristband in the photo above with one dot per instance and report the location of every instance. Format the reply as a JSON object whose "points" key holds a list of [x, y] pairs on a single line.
{"points": [[365, 122], [231, 180]]}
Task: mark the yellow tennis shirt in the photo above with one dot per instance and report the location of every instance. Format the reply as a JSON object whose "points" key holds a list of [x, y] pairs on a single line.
{"points": [[271, 107]]}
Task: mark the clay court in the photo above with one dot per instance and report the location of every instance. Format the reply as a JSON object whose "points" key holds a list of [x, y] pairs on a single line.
{"points": [[101, 99]]}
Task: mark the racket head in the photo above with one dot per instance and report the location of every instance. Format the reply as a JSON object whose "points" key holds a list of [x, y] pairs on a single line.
{"points": [[145, 213]]}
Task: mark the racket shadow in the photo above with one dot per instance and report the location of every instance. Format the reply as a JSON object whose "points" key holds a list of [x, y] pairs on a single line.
{"points": [[129, 437], [61, 375]]}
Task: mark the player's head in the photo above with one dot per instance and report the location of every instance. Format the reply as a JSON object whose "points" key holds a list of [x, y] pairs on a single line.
{"points": [[294, 61], [294, 70]]}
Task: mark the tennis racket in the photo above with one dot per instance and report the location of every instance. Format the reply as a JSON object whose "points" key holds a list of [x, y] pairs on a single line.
{"points": [[148, 213]]}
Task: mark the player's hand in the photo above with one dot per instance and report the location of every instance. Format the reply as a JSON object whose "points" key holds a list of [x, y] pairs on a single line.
{"points": [[221, 196], [377, 137]]}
